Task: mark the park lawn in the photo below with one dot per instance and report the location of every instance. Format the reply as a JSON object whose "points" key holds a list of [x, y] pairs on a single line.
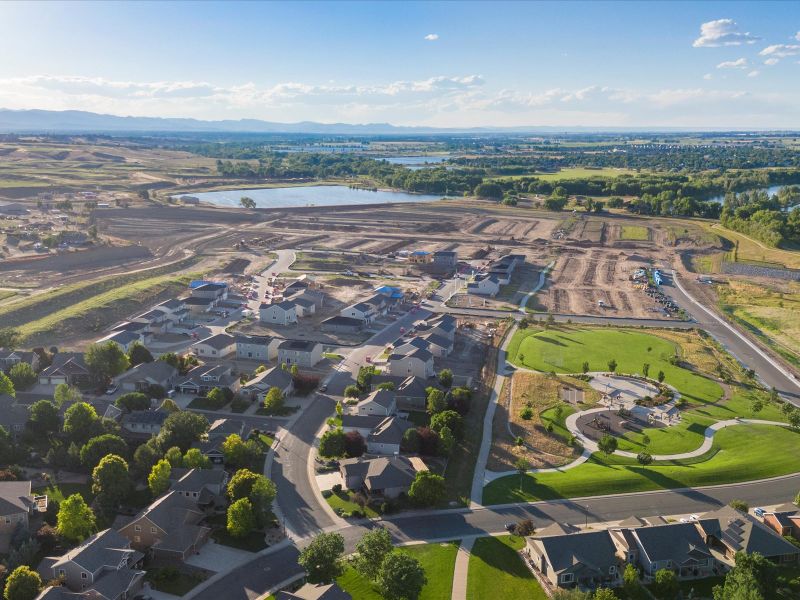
{"points": [[565, 349], [438, 561], [689, 433], [496, 570], [343, 501], [739, 453], [548, 417], [635, 233]]}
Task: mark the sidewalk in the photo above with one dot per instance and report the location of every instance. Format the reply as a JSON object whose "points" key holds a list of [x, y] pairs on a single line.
{"points": [[462, 569]]}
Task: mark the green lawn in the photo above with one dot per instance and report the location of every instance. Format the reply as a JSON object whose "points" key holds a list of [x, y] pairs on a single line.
{"points": [[203, 403], [497, 571], [61, 491], [739, 453], [172, 582], [253, 542], [548, 417], [564, 350], [635, 233], [438, 560], [343, 501]]}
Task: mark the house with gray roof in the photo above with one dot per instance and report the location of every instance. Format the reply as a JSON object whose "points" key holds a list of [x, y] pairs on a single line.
{"points": [[215, 346], [17, 504], [385, 476], [679, 547], [102, 566], [304, 306], [13, 416], [484, 284], [257, 347], [258, 387], [123, 339], [9, 358], [203, 378], [418, 363], [412, 393], [363, 424], [206, 487], [144, 375], [387, 436], [280, 313], [380, 402], [144, 422], [66, 367], [303, 353], [341, 324]]}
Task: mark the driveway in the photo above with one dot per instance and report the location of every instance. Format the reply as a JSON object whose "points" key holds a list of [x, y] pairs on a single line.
{"points": [[218, 558]]}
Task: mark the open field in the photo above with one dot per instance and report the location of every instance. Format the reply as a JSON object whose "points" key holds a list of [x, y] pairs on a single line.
{"points": [[564, 350], [770, 311], [747, 249], [634, 232], [438, 561], [576, 173], [496, 570], [739, 453]]}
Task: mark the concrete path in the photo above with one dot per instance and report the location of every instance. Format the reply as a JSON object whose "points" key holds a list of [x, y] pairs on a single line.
{"points": [[461, 569], [542, 277]]}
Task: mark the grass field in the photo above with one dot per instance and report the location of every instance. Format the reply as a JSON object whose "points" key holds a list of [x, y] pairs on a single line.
{"points": [[564, 350], [438, 560], [635, 233], [769, 312], [343, 501], [739, 453], [750, 250], [6, 294], [497, 571]]}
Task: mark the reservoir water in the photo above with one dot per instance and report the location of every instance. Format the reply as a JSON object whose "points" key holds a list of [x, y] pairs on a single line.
{"points": [[311, 195]]}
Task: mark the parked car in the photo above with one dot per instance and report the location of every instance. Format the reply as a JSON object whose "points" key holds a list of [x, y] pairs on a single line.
{"points": [[112, 390], [323, 388], [759, 512]]}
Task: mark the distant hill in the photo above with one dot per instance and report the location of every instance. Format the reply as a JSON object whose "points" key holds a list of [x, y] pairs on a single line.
{"points": [[77, 121]]}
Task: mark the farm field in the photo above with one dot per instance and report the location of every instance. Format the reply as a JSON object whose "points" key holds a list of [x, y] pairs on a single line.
{"points": [[438, 561], [769, 311], [496, 570], [738, 454], [565, 349]]}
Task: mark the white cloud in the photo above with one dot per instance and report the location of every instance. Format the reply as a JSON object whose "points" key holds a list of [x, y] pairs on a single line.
{"points": [[772, 61], [708, 76], [739, 63], [722, 32], [432, 37], [754, 73], [779, 51], [797, 37]]}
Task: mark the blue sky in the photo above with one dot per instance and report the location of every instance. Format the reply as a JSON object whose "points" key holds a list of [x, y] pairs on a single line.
{"points": [[694, 64]]}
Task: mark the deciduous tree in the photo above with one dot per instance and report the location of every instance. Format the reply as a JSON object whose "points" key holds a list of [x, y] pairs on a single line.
{"points": [[158, 480], [371, 551], [133, 401], [322, 558], [106, 361], [138, 354], [22, 376], [75, 520], [332, 443], [98, 447], [427, 489], [81, 422], [401, 577], [110, 481], [43, 418], [241, 520], [23, 584]]}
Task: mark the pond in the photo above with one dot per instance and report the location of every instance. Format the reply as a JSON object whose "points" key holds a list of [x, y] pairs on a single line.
{"points": [[772, 190], [312, 195], [416, 162]]}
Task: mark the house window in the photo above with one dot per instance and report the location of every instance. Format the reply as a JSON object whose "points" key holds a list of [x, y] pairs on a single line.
{"points": [[153, 530], [568, 578], [62, 573], [194, 494], [137, 538], [612, 570], [84, 576], [137, 528]]}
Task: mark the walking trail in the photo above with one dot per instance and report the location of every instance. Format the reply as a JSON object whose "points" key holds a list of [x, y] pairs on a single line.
{"points": [[462, 569]]}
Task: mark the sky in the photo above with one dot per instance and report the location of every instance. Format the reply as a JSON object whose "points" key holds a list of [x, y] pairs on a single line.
{"points": [[441, 64]]}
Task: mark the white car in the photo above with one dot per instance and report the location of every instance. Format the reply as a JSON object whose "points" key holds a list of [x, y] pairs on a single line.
{"points": [[112, 390]]}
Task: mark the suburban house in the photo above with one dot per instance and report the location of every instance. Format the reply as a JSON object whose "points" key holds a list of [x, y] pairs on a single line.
{"points": [[340, 324], [144, 375], [584, 560], [445, 259], [384, 476], [102, 566], [144, 422], [154, 319], [677, 546], [484, 285], [211, 445], [203, 378], [387, 437], [13, 416], [216, 346], [315, 591], [445, 326], [360, 311], [134, 327], [123, 339], [303, 353], [304, 307], [784, 520], [504, 267], [318, 298], [363, 424], [438, 345], [420, 257], [379, 402], [197, 307], [412, 393], [418, 363], [168, 528], [66, 367], [731, 531], [257, 347], [211, 290], [259, 386], [9, 358], [17, 504], [281, 313], [206, 487]]}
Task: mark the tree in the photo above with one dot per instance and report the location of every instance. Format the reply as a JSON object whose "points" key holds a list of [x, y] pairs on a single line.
{"points": [[9, 338], [146, 456], [607, 444], [171, 359], [447, 418], [428, 489], [756, 405], [75, 520], [612, 365], [460, 399], [133, 401], [332, 443], [256, 488], [352, 391], [241, 519], [488, 190], [98, 447], [235, 452], [521, 465], [66, 393], [182, 429], [665, 585], [661, 377], [794, 419], [401, 576], [646, 369], [428, 441], [22, 376], [138, 354], [411, 441], [81, 422], [354, 444], [436, 402], [43, 418], [446, 378], [371, 551], [174, 457], [386, 385], [216, 398], [752, 578], [604, 594], [110, 481], [247, 202], [23, 584], [631, 584], [273, 401], [106, 361], [6, 386], [585, 367], [322, 558], [644, 458], [194, 459], [740, 505], [158, 480]]}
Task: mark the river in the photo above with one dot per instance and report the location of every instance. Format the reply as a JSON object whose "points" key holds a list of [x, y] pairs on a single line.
{"points": [[311, 195]]}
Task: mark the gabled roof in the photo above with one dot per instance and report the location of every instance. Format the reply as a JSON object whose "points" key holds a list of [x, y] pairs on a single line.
{"points": [[384, 398], [298, 345], [413, 387], [194, 301], [382, 472], [557, 529], [361, 421], [155, 371], [316, 591], [146, 417], [219, 341], [104, 549], [171, 304], [254, 339], [210, 287], [12, 415], [284, 305], [194, 480], [15, 497], [123, 338], [740, 531], [679, 542], [389, 431], [592, 550], [438, 340], [226, 427], [304, 302], [274, 377]]}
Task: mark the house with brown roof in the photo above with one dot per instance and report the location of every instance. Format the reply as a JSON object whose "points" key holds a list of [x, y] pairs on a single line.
{"points": [[784, 520], [66, 367]]}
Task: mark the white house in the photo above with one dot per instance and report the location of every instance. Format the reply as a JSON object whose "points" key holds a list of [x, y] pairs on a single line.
{"points": [[379, 402], [281, 313], [361, 311], [304, 306], [387, 436], [418, 363], [215, 346], [257, 347], [303, 353], [261, 384], [484, 285]]}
